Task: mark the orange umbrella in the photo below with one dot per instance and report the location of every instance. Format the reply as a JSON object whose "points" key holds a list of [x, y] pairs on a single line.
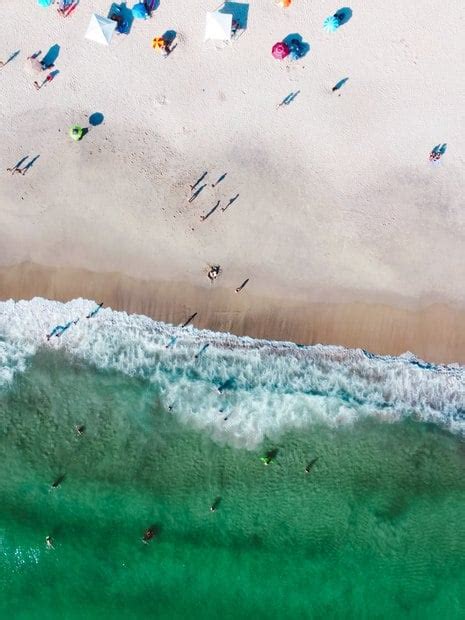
{"points": [[158, 44], [284, 4]]}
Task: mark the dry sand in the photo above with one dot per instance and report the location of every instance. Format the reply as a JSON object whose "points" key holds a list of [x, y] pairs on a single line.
{"points": [[348, 234]]}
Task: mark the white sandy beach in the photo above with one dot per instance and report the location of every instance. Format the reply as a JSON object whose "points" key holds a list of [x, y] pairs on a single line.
{"points": [[338, 204]]}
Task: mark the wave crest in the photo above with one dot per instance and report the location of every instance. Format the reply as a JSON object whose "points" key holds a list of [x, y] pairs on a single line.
{"points": [[238, 389]]}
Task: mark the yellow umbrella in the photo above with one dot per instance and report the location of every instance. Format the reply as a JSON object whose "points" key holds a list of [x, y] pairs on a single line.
{"points": [[158, 44]]}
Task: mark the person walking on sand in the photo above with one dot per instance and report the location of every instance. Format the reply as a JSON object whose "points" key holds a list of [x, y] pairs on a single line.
{"points": [[17, 167]]}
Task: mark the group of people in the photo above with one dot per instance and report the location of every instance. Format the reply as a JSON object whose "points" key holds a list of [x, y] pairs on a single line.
{"points": [[59, 330], [437, 152]]}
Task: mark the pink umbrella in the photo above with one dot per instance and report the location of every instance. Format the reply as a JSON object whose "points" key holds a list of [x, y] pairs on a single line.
{"points": [[280, 50]]}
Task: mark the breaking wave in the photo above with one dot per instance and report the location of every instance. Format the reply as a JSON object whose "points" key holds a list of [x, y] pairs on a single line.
{"points": [[238, 389]]}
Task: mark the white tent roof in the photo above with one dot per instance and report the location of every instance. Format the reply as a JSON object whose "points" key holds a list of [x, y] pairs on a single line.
{"points": [[100, 29], [218, 26]]}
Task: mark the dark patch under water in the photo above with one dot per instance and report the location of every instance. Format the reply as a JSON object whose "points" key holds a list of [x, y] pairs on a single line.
{"points": [[374, 529]]}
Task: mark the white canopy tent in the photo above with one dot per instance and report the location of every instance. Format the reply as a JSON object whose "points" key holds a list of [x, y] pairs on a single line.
{"points": [[100, 29], [218, 26]]}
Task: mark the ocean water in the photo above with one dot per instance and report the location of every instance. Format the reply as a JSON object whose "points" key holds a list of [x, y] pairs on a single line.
{"points": [[374, 529]]}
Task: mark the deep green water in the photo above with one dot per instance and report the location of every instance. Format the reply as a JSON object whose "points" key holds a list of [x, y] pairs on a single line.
{"points": [[376, 530]]}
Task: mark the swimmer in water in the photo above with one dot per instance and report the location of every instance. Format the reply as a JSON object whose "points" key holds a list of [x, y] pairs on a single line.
{"points": [[269, 456], [215, 504], [80, 429], [56, 483], [94, 312], [149, 534], [310, 465], [49, 542], [228, 384], [171, 343], [199, 353], [59, 330]]}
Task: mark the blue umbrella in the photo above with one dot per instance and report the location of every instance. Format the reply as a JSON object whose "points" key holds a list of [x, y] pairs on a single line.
{"points": [[331, 24], [139, 11], [44, 2]]}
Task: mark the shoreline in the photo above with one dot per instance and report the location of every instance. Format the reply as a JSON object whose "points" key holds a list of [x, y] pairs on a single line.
{"points": [[435, 333]]}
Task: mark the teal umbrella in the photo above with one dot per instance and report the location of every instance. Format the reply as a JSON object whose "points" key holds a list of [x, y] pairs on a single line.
{"points": [[44, 2], [331, 23], [139, 11]]}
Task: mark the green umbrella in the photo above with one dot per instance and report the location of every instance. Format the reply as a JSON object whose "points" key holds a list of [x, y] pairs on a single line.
{"points": [[76, 132]]}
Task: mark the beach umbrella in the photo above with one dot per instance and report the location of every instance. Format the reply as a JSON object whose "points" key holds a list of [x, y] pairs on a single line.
{"points": [[76, 132], [100, 29], [44, 3], [331, 23], [284, 4], [218, 26], [158, 44], [280, 50], [139, 11]]}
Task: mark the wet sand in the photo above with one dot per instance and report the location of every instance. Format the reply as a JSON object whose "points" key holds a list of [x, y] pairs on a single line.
{"points": [[435, 333], [348, 233]]}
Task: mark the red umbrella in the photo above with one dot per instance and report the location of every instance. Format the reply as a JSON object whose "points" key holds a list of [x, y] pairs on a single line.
{"points": [[280, 50]]}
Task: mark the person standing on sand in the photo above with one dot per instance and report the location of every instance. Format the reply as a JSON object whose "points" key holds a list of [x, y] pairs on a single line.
{"points": [[239, 288], [213, 272], [17, 167]]}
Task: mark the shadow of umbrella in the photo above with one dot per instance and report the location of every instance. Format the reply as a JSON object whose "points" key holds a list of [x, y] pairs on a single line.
{"points": [[343, 15], [51, 56], [239, 12], [295, 42], [169, 36]]}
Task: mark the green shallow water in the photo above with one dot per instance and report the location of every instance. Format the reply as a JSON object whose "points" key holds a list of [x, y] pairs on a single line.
{"points": [[376, 530]]}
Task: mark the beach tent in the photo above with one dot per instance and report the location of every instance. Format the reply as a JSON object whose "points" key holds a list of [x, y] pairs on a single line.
{"points": [[218, 26], [100, 29]]}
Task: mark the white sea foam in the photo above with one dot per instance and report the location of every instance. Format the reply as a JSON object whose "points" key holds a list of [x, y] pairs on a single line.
{"points": [[267, 386]]}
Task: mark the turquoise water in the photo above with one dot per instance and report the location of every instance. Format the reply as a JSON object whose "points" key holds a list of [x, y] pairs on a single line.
{"points": [[376, 529]]}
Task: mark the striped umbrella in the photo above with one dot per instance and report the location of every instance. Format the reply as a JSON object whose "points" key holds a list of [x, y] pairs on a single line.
{"points": [[331, 24], [158, 44]]}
